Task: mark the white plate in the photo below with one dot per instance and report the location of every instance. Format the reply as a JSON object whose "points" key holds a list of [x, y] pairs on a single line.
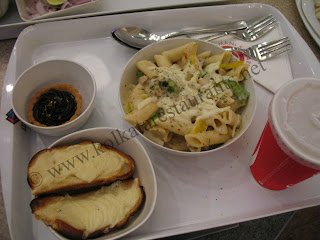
{"points": [[310, 13], [11, 24], [310, 29], [79, 9], [193, 193], [143, 171]]}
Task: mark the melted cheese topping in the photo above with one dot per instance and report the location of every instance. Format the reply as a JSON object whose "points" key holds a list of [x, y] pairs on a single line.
{"points": [[90, 212], [192, 102], [76, 163]]}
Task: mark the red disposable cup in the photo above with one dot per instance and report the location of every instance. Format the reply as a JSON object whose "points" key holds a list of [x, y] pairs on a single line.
{"points": [[288, 151]]}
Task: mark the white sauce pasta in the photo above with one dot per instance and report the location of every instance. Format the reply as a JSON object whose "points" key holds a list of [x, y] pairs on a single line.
{"points": [[188, 101]]}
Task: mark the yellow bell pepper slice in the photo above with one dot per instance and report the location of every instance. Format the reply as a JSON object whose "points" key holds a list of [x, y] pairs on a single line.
{"points": [[231, 65], [199, 126], [128, 108]]}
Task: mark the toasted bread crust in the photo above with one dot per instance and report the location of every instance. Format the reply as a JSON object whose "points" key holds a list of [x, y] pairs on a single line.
{"points": [[69, 231], [83, 186]]}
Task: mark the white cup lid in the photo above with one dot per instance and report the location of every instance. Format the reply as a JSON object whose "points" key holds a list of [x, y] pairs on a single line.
{"points": [[295, 114]]}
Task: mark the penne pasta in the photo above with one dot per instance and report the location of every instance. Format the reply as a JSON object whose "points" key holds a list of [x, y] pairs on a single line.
{"points": [[231, 118], [177, 142], [239, 73], [207, 138], [176, 54], [148, 68], [162, 61], [137, 95], [158, 135], [205, 54], [174, 126], [194, 149], [221, 58], [140, 116], [187, 101]]}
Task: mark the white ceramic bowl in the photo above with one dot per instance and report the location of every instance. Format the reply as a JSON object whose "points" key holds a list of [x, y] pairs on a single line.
{"points": [[129, 77], [79, 9], [47, 74], [143, 170]]}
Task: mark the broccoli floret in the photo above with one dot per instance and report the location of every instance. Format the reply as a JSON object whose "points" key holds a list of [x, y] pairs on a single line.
{"points": [[239, 92]]}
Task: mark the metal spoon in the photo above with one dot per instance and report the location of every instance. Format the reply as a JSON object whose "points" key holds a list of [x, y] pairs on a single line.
{"points": [[138, 38]]}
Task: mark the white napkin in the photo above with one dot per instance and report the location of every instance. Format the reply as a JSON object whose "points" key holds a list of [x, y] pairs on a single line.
{"points": [[271, 73]]}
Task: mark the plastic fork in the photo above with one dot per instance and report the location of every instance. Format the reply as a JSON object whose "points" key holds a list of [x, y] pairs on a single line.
{"points": [[265, 50], [253, 32]]}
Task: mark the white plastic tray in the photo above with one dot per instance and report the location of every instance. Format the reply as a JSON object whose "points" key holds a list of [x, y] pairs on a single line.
{"points": [[193, 193], [11, 23]]}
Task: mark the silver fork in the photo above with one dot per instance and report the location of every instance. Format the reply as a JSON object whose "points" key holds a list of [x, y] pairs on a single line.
{"points": [[265, 50], [254, 30]]}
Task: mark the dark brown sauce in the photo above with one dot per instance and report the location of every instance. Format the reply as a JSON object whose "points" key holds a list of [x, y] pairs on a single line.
{"points": [[54, 107]]}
